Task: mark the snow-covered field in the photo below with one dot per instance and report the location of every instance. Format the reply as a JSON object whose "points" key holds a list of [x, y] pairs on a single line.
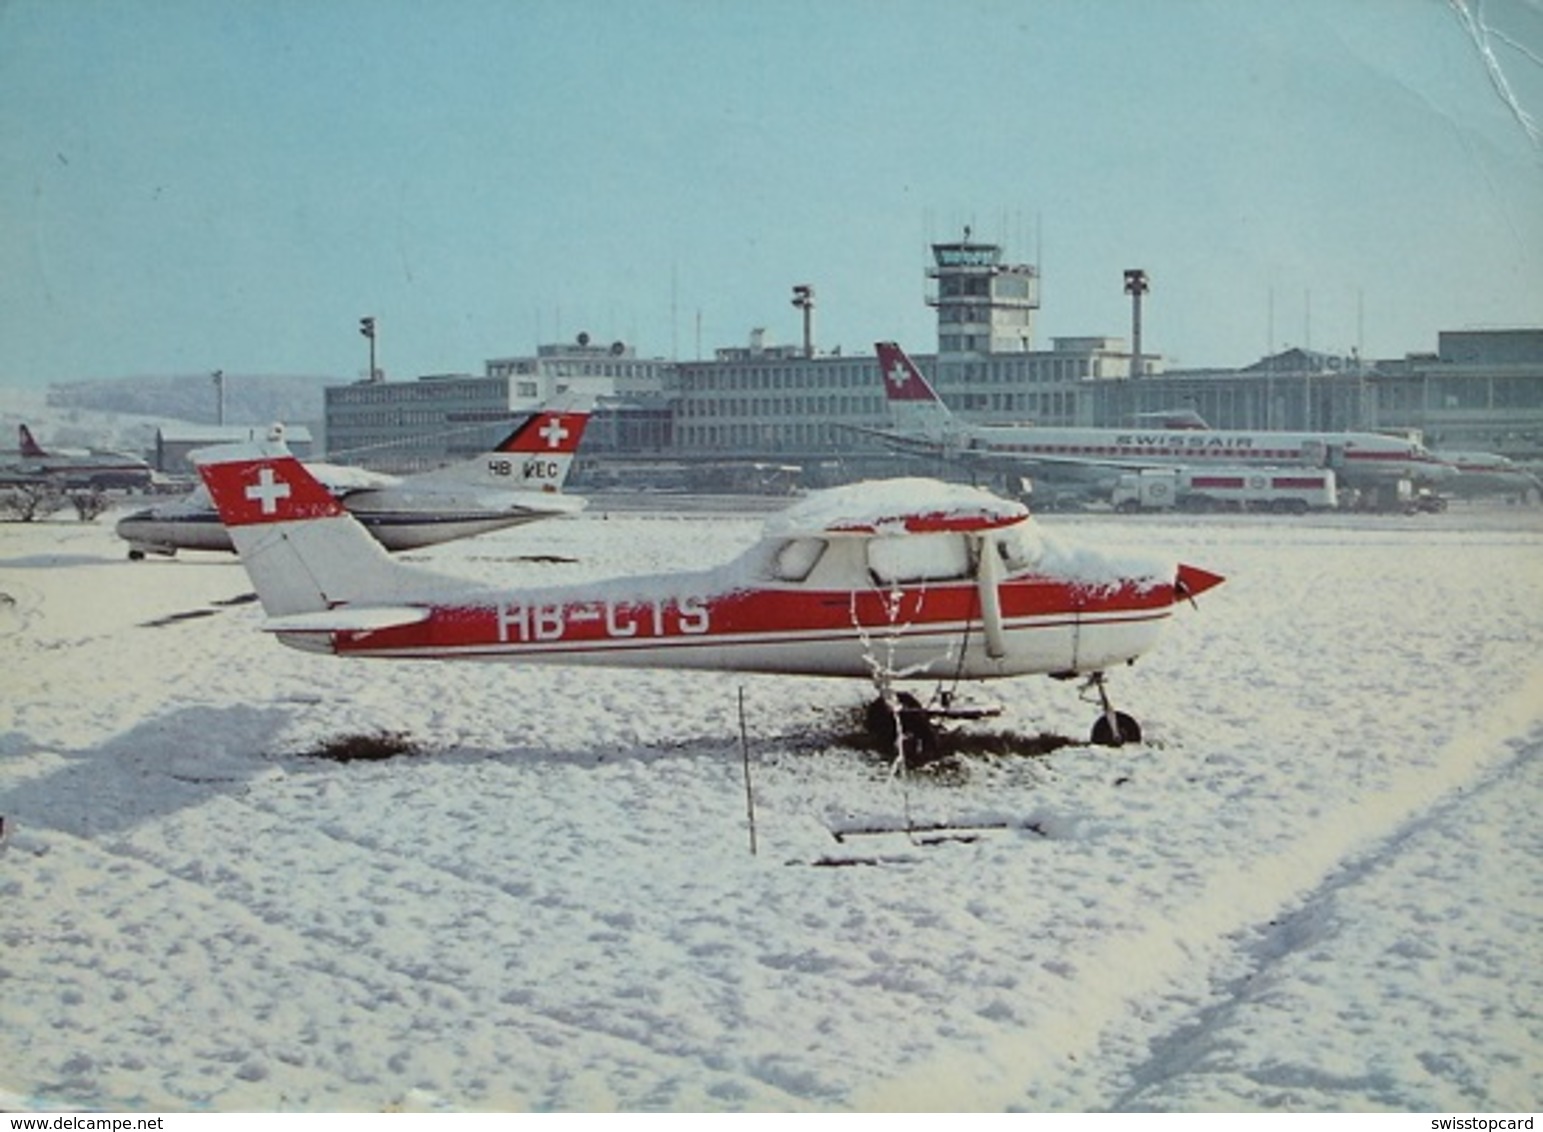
{"points": [[1315, 886]]}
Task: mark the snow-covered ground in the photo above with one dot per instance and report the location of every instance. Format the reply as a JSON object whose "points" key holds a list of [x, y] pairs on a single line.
{"points": [[1314, 886]]}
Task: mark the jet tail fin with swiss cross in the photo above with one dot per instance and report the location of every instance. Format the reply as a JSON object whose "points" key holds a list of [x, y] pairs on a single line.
{"points": [[536, 456], [915, 408]]}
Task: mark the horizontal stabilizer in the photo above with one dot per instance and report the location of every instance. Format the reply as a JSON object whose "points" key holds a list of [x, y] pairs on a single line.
{"points": [[348, 619], [536, 502], [899, 441]]}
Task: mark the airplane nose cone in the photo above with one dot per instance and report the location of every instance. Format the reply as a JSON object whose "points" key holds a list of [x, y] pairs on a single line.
{"points": [[1193, 581]]}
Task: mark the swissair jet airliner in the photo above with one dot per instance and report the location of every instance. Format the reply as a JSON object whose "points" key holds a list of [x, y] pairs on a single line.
{"points": [[883, 581], [924, 424]]}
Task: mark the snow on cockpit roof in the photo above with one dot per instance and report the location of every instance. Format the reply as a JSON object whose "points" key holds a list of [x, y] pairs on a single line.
{"points": [[896, 506]]}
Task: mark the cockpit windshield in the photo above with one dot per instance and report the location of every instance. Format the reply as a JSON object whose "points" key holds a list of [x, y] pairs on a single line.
{"points": [[796, 558]]}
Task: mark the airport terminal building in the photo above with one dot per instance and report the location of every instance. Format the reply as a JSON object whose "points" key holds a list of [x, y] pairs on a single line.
{"points": [[1480, 389], [404, 426]]}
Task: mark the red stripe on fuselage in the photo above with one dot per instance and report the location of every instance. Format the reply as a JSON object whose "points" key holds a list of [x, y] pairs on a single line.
{"points": [[562, 623]]}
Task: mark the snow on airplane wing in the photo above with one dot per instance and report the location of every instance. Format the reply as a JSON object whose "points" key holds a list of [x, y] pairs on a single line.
{"points": [[908, 505], [345, 479]]}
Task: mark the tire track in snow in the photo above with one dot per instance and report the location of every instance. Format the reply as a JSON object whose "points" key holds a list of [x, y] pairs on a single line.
{"points": [[1333, 920], [1118, 985]]}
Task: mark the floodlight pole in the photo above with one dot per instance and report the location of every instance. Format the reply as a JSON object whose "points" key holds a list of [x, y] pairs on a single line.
{"points": [[367, 328], [803, 299], [1135, 286]]}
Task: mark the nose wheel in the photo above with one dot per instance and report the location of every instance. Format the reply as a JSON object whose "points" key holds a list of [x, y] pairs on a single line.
{"points": [[1112, 728]]}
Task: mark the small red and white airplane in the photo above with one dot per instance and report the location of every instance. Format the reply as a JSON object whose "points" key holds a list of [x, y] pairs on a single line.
{"points": [[924, 424], [886, 581], [519, 481]]}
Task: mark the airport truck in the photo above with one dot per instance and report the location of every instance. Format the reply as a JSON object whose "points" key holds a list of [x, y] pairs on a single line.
{"points": [[1286, 490]]}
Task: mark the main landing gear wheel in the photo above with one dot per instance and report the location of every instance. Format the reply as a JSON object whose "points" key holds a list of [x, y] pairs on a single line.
{"points": [[904, 728], [1112, 728], [1123, 729]]}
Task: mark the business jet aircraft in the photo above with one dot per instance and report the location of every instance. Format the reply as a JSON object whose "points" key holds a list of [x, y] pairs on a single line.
{"points": [[924, 424], [75, 467], [885, 581], [520, 481]]}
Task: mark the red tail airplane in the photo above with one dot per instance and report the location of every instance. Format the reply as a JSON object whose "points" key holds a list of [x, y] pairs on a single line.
{"points": [[886, 581], [79, 468]]}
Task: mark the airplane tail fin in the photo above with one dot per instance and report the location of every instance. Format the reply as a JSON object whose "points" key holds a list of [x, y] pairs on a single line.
{"points": [[29, 446], [303, 551], [537, 456], [914, 406]]}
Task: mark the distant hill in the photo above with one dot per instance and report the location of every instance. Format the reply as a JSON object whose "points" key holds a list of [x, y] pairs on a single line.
{"points": [[249, 399], [71, 427]]}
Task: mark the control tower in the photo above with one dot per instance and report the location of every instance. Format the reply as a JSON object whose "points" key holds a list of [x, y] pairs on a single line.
{"points": [[984, 306]]}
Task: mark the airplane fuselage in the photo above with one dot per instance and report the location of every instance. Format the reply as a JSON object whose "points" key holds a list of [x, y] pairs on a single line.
{"points": [[103, 470], [1355, 457], [966, 627], [395, 523]]}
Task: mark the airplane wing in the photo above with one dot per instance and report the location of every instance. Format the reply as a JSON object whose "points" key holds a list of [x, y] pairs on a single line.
{"points": [[344, 480], [985, 456], [535, 502], [1093, 463], [453, 498]]}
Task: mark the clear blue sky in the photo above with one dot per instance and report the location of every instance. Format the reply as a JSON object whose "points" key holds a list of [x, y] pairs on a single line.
{"points": [[188, 185]]}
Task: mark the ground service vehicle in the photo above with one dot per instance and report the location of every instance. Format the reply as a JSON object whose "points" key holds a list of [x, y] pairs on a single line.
{"points": [[1286, 490]]}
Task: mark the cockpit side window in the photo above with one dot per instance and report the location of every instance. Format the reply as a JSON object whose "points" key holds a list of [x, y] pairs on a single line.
{"points": [[919, 558], [796, 558]]}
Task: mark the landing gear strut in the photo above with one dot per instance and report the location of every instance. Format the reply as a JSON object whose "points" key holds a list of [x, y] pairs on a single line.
{"points": [[1112, 728]]}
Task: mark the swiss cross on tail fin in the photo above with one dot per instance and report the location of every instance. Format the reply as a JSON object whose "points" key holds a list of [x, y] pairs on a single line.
{"points": [[263, 483], [549, 432], [902, 380]]}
